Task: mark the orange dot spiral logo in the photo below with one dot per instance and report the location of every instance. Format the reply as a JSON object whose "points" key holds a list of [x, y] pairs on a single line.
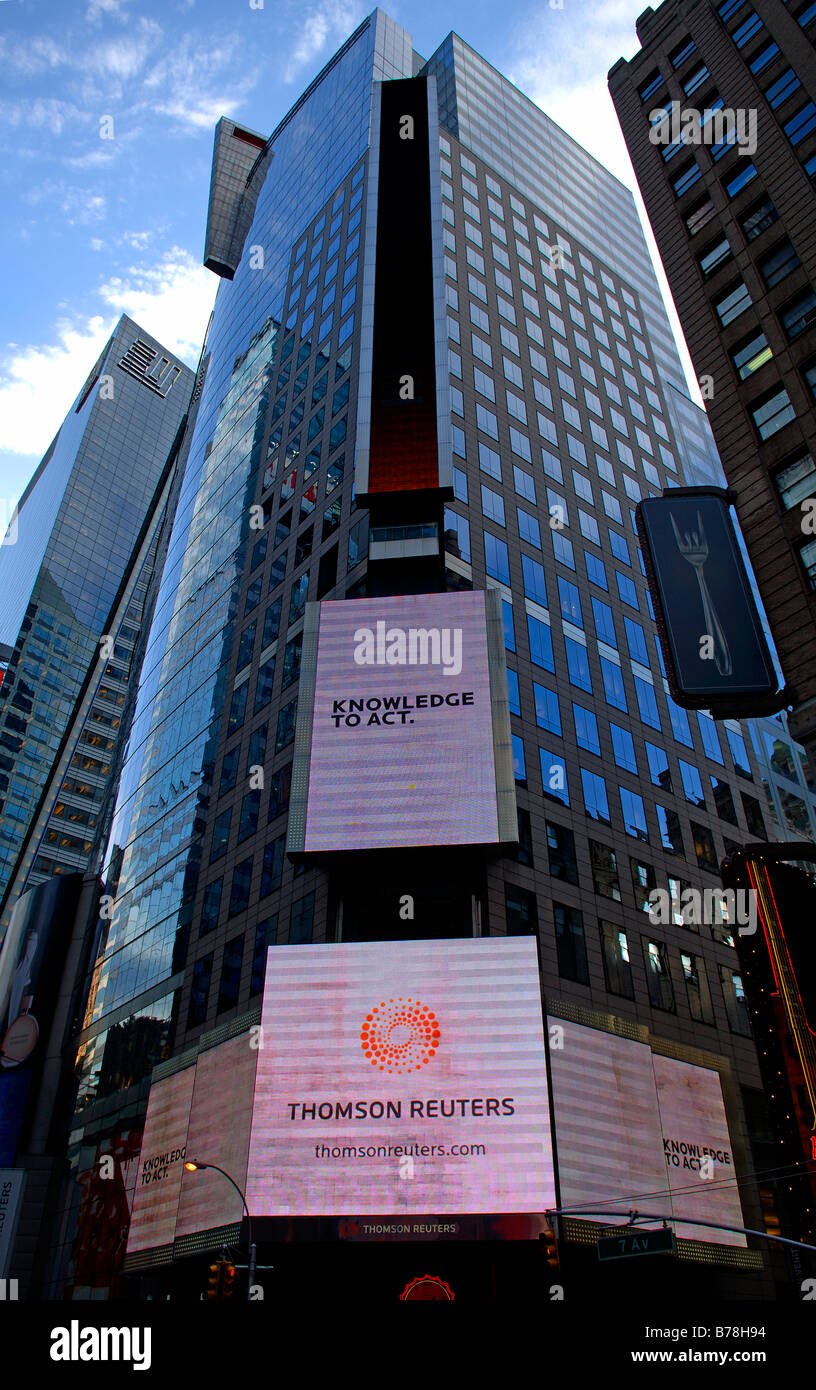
{"points": [[400, 1035]]}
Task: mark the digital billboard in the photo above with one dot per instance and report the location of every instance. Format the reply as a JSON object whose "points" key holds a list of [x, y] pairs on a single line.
{"points": [[403, 732], [402, 1078], [202, 1112], [710, 632], [637, 1130]]}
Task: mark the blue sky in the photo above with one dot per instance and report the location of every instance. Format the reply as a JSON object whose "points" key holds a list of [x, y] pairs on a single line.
{"points": [[107, 111]]}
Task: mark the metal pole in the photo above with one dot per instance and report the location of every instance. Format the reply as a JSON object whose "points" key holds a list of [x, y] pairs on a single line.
{"points": [[678, 1220], [251, 1265]]}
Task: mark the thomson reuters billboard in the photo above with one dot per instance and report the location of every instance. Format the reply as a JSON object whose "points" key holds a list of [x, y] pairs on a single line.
{"points": [[639, 1130], [401, 1077], [403, 733]]}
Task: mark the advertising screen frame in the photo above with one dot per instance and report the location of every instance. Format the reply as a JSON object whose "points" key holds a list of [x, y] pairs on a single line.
{"points": [[505, 786]]}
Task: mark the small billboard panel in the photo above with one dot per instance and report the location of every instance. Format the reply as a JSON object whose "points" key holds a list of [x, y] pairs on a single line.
{"points": [[403, 733], [711, 637], [637, 1130]]}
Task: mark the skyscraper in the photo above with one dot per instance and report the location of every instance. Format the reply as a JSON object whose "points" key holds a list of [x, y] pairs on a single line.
{"points": [[74, 582], [727, 178], [553, 367]]}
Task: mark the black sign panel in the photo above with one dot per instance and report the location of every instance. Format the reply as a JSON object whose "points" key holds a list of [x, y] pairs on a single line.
{"points": [[710, 633], [403, 453], [636, 1242]]}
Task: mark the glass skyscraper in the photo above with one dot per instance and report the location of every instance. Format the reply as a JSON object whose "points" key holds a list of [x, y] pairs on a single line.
{"points": [[561, 370], [82, 524]]}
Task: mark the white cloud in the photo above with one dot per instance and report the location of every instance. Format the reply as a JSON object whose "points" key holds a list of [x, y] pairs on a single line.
{"points": [[41, 113], [97, 9], [327, 23], [38, 383], [196, 83]]}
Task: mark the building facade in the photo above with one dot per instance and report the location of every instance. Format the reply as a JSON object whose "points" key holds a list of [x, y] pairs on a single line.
{"points": [[74, 583], [559, 370], [732, 212]]}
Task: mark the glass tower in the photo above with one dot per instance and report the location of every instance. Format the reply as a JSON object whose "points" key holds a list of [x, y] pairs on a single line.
{"points": [[63, 572]]}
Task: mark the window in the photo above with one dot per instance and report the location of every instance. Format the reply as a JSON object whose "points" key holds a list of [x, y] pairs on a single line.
{"points": [[636, 641], [230, 982], [736, 1007], [250, 808], [772, 412], [709, 736], [534, 582], [497, 563], [596, 803], [617, 965], [751, 353], [570, 602], [753, 816], [561, 849], [553, 776], [732, 303], [671, 836], [301, 920], [763, 57], [659, 770], [623, 747], [801, 124], [799, 314], [778, 262], [695, 79], [528, 528], [682, 53], [238, 706], [758, 218], [686, 177], [578, 664], [519, 762], [280, 783], [604, 622], [596, 572], [263, 688], [658, 979], [739, 176], [221, 829], [704, 847], [643, 882], [241, 882], [745, 31], [724, 801], [634, 814], [265, 936], [697, 990], [541, 652], [548, 715], [692, 784], [781, 88], [492, 505], [699, 215], [714, 256], [613, 684], [272, 868], [647, 702], [796, 479], [570, 944], [286, 726], [604, 871], [521, 911], [807, 554], [200, 990], [739, 753], [586, 729]]}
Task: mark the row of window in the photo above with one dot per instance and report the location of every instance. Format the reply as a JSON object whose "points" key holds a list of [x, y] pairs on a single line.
{"points": [[619, 974]]}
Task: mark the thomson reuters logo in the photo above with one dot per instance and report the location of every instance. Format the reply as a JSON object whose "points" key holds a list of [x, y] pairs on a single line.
{"points": [[400, 1035]]}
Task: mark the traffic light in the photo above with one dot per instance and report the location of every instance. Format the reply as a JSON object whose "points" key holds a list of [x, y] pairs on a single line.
{"points": [[228, 1278], [549, 1245], [214, 1280]]}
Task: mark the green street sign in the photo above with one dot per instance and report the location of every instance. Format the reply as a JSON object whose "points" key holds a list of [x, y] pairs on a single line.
{"points": [[636, 1242]]}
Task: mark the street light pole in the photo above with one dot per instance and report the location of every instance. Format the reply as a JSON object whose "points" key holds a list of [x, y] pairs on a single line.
{"points": [[193, 1166]]}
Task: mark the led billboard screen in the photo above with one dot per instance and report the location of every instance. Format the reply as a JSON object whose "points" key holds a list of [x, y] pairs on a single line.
{"points": [[202, 1112], [710, 632], [402, 1078], [638, 1130], [403, 735]]}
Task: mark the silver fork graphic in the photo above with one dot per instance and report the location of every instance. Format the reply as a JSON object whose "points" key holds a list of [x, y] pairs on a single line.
{"points": [[694, 548]]}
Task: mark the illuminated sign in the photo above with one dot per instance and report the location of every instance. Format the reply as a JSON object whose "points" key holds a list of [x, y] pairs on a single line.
{"points": [[403, 734], [638, 1130], [401, 1077], [202, 1112], [710, 632]]}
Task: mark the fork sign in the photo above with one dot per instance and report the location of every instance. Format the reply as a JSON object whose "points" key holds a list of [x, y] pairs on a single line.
{"points": [[694, 548]]}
